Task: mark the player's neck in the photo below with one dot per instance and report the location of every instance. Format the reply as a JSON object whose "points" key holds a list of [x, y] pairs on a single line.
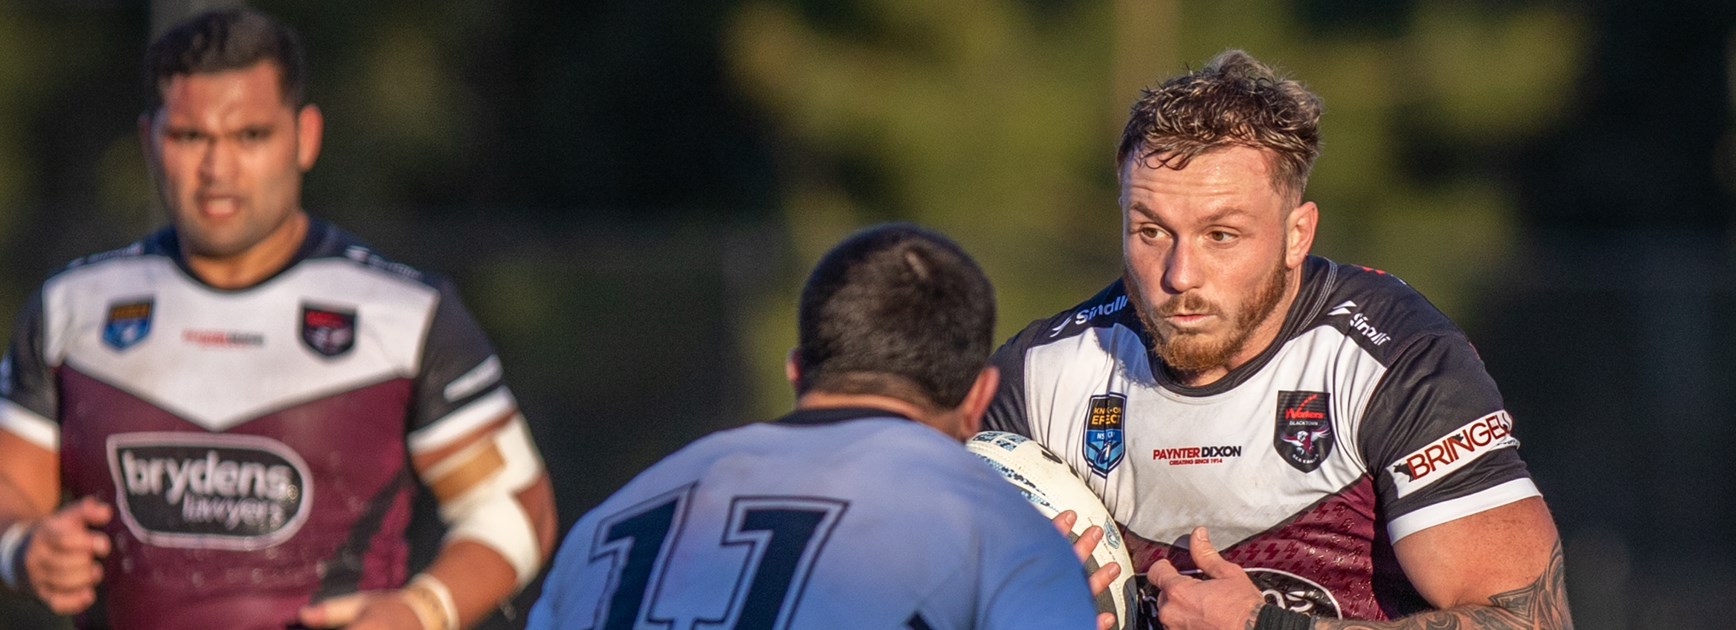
{"points": [[828, 400], [253, 265]]}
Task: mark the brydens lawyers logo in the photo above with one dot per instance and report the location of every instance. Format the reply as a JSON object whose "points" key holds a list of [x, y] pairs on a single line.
{"points": [[1303, 433], [209, 491], [128, 323], [328, 331], [1104, 446]]}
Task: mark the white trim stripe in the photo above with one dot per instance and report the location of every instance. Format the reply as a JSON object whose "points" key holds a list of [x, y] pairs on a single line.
{"points": [[24, 423], [484, 374], [1461, 507], [462, 421]]}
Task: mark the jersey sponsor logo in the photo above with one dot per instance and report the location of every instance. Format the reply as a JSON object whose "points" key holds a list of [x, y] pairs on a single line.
{"points": [[1091, 312], [1454, 451], [209, 491], [223, 338], [1303, 433], [128, 323], [1104, 447], [1294, 593], [1191, 455], [1359, 322], [328, 331]]}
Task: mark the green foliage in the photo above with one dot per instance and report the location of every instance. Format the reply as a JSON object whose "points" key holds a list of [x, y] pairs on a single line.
{"points": [[986, 120]]}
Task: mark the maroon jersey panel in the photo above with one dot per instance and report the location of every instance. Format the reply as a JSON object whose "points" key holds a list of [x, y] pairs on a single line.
{"points": [[241, 527]]}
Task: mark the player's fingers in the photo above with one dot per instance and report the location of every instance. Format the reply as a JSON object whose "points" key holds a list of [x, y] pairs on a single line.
{"points": [[1064, 522], [1087, 542], [1160, 572], [1103, 576], [93, 512], [1105, 621], [335, 612], [1206, 556]]}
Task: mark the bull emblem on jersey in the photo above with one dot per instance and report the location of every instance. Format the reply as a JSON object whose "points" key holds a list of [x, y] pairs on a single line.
{"points": [[128, 323], [329, 332], [1303, 434], [1104, 443]]}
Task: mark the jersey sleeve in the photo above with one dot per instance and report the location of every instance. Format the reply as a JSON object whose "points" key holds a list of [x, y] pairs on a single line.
{"points": [[1007, 410], [460, 385], [1437, 438], [29, 402]]}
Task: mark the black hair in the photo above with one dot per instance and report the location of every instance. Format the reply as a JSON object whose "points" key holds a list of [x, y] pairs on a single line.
{"points": [[895, 310], [226, 39]]}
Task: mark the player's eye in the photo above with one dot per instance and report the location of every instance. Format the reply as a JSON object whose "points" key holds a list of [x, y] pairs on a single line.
{"points": [[254, 134], [1221, 236], [1149, 232]]}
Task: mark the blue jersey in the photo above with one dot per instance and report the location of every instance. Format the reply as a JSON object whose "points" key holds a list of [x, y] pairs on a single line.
{"points": [[824, 519]]}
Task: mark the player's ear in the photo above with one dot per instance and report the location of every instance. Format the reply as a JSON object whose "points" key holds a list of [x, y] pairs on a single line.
{"points": [[792, 368], [309, 132], [976, 401], [1299, 233], [146, 120]]}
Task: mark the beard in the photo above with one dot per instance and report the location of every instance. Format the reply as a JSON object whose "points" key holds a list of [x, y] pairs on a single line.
{"points": [[1187, 353]]}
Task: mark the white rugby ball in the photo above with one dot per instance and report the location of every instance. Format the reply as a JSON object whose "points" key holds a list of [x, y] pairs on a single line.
{"points": [[1050, 485]]}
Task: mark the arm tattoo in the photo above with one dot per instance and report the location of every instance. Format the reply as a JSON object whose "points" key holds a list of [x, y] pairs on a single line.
{"points": [[1541, 605]]}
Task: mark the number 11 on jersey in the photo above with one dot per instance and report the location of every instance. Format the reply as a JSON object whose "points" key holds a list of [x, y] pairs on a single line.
{"points": [[784, 536]]}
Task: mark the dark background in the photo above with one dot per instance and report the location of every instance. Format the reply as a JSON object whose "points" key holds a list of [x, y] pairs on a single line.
{"points": [[628, 192]]}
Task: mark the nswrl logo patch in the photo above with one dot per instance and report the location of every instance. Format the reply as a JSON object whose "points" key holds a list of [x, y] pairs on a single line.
{"points": [[1105, 445], [128, 323]]}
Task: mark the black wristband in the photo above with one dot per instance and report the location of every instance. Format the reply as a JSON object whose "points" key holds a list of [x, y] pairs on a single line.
{"points": [[1275, 618]]}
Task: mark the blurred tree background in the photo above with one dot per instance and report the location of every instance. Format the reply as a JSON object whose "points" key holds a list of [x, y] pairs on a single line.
{"points": [[629, 191]]}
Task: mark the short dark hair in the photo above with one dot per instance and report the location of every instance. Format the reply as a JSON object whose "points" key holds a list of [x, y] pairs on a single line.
{"points": [[226, 39], [1235, 100], [895, 310]]}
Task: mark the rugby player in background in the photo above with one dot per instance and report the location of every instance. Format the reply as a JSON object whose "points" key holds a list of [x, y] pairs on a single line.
{"points": [[245, 399]]}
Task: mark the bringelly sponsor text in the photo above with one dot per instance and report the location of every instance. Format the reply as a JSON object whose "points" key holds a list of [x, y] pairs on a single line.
{"points": [[1453, 451], [223, 491]]}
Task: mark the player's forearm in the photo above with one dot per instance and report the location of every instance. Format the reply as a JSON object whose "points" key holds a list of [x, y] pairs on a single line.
{"points": [[478, 578], [1540, 605]]}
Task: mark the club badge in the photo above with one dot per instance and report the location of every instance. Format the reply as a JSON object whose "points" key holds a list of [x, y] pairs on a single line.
{"points": [[329, 332], [1303, 433]]}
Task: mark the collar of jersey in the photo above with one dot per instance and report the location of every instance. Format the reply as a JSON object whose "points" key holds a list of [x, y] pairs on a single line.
{"points": [[834, 415], [168, 242]]}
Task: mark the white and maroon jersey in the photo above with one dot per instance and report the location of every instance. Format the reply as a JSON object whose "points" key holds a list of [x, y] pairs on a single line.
{"points": [[836, 518], [253, 442], [1368, 419]]}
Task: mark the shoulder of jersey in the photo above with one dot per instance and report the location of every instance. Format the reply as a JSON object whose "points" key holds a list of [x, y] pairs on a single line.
{"points": [[1107, 308], [341, 245], [151, 246], [1375, 309]]}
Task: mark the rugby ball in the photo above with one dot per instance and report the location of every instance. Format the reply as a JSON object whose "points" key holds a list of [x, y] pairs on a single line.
{"points": [[1050, 485]]}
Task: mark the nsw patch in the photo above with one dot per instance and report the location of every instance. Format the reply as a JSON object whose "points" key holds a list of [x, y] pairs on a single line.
{"points": [[128, 323], [1104, 433], [1303, 433], [329, 332]]}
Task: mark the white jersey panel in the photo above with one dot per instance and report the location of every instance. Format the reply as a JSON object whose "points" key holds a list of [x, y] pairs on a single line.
{"points": [[247, 344], [1237, 480]]}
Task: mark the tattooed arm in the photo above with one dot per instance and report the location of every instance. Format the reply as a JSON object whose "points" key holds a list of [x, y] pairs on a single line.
{"points": [[1501, 568], [1497, 569]]}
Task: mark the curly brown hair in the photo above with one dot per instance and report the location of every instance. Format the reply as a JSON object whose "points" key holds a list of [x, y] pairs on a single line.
{"points": [[1235, 100]]}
